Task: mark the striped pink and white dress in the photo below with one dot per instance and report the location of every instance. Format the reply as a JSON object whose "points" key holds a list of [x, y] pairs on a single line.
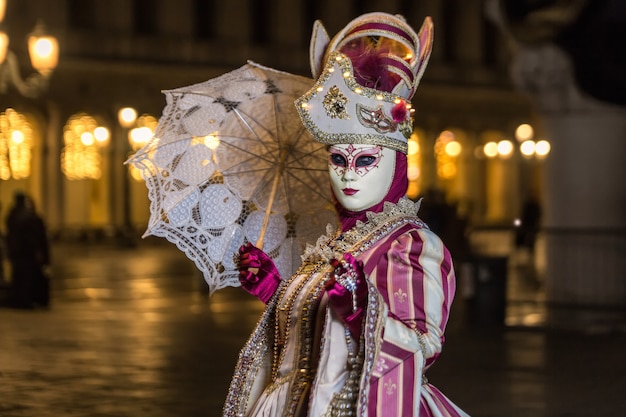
{"points": [[411, 285], [412, 271]]}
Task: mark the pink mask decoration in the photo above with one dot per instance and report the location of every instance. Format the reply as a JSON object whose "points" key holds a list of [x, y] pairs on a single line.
{"points": [[360, 175], [360, 161]]}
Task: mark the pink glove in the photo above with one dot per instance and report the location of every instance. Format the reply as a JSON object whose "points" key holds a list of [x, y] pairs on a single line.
{"points": [[257, 273], [350, 307]]}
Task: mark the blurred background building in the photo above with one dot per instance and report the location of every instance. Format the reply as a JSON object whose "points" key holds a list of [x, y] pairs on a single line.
{"points": [[523, 102]]}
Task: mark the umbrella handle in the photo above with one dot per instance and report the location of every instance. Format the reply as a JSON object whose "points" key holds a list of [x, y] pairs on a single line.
{"points": [[268, 210]]}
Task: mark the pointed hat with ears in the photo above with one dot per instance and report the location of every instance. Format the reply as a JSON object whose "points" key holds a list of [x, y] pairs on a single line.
{"points": [[393, 27], [366, 76]]}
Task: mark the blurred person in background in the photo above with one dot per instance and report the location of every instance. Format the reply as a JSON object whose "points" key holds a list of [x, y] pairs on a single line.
{"points": [[29, 254]]}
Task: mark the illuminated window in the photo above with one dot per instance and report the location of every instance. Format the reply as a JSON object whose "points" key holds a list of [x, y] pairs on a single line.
{"points": [[16, 142], [84, 139], [447, 150]]}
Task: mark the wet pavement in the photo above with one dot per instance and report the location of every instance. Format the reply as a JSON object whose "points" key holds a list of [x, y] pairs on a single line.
{"points": [[131, 332]]}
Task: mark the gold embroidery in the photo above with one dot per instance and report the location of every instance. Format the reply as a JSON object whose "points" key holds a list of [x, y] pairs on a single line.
{"points": [[362, 236], [335, 104]]}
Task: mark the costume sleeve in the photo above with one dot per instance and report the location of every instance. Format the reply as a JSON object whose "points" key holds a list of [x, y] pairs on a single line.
{"points": [[415, 278]]}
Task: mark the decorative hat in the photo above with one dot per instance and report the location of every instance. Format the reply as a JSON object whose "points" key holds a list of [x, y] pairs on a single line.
{"points": [[372, 69]]}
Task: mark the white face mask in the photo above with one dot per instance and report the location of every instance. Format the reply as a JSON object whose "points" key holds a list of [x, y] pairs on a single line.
{"points": [[360, 175]]}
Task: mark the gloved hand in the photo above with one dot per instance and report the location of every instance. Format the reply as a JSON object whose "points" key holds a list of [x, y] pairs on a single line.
{"points": [[347, 304], [257, 273]]}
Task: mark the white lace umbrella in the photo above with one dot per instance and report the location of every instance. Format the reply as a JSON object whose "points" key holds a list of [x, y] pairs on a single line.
{"points": [[231, 162]]}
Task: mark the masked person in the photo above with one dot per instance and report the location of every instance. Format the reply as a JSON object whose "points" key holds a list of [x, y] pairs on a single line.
{"points": [[354, 329]]}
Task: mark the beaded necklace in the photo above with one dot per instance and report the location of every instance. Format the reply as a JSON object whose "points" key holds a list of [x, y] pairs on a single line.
{"points": [[286, 309]]}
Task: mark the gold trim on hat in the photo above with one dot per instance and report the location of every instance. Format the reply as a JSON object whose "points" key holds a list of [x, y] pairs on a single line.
{"points": [[396, 139]]}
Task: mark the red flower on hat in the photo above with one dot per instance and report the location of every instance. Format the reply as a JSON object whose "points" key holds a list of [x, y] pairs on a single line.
{"points": [[399, 112]]}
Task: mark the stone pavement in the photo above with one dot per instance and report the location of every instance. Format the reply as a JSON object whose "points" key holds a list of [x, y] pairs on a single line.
{"points": [[131, 333]]}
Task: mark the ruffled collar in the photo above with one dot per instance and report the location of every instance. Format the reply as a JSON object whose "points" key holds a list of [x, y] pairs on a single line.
{"points": [[360, 237]]}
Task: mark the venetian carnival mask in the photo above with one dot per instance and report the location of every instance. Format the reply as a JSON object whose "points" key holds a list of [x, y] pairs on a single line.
{"points": [[360, 175]]}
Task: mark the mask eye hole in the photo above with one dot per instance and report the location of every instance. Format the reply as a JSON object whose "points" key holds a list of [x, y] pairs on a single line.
{"points": [[365, 161], [338, 160]]}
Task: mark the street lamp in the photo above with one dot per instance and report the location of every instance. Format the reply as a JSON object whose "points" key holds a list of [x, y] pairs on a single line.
{"points": [[43, 50]]}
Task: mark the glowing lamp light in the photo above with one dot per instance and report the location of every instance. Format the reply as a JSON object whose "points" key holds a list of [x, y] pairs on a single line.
{"points": [[527, 148], [490, 149], [505, 148], [43, 50], [413, 147], [453, 148], [542, 148], [87, 139], [524, 132], [127, 116], [139, 136], [101, 134], [17, 137]]}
